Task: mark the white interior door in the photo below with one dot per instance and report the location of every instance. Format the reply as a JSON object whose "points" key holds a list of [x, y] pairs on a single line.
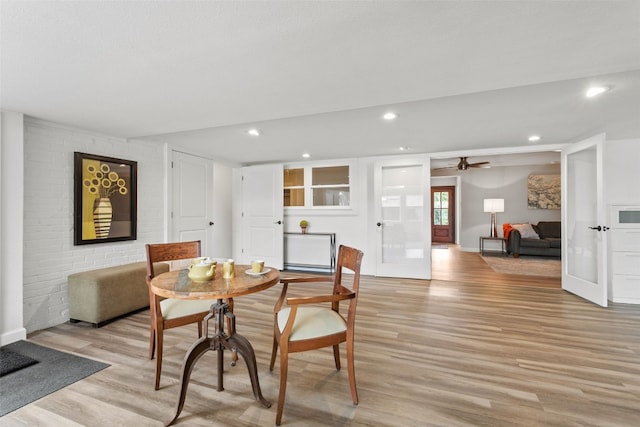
{"points": [[584, 243], [262, 214], [403, 206], [191, 216]]}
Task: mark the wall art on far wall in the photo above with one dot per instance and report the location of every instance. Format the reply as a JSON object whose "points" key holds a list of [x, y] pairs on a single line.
{"points": [[543, 192], [105, 199]]}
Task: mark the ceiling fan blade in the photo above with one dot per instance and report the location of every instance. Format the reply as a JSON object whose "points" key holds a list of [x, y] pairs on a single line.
{"points": [[463, 165], [478, 165]]}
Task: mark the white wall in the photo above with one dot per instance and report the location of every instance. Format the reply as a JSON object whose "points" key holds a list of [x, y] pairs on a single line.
{"points": [[49, 253], [11, 204], [622, 179]]}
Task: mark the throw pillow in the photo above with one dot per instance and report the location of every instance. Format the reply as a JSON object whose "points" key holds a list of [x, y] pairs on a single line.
{"points": [[526, 231], [537, 230], [506, 230]]}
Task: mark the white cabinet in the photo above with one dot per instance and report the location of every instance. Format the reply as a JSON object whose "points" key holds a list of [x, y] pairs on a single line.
{"points": [[625, 254]]}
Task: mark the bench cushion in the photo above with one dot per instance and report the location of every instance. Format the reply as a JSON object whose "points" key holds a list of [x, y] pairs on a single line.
{"points": [[99, 295]]}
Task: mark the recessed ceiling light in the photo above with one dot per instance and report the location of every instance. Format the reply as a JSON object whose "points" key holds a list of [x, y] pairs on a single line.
{"points": [[390, 116], [306, 155], [253, 132], [534, 138], [596, 90], [404, 148]]}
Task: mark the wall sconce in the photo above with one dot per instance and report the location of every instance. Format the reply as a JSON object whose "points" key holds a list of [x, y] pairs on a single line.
{"points": [[492, 206]]}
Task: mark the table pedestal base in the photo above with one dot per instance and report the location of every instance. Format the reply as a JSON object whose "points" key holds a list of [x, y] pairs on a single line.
{"points": [[219, 342]]}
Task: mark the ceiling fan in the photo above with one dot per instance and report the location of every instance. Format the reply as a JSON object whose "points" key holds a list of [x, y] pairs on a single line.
{"points": [[463, 165]]}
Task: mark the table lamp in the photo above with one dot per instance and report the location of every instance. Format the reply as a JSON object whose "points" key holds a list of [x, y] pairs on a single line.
{"points": [[492, 206]]}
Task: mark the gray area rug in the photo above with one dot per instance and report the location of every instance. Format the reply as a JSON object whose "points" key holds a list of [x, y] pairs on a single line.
{"points": [[10, 361], [54, 370]]}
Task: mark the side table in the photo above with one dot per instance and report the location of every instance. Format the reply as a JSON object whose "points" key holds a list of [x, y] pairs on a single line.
{"points": [[503, 244]]}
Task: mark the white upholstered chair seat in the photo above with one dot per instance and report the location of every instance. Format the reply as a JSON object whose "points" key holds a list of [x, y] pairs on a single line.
{"points": [[312, 322], [175, 308], [317, 322]]}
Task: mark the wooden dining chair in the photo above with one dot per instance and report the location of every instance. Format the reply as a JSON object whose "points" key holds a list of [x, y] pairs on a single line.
{"points": [[167, 313], [312, 322]]}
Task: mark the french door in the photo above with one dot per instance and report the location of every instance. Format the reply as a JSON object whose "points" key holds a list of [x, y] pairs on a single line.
{"points": [[584, 230], [402, 207]]}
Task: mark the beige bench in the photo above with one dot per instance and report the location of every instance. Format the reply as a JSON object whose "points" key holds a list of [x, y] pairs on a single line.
{"points": [[99, 296]]}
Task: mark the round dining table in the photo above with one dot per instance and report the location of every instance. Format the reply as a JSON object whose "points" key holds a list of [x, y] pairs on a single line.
{"points": [[177, 284]]}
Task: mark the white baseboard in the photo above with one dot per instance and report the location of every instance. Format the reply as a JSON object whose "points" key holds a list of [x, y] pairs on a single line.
{"points": [[13, 336]]}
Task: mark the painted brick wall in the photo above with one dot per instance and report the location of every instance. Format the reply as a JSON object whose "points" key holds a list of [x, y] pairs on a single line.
{"points": [[49, 253]]}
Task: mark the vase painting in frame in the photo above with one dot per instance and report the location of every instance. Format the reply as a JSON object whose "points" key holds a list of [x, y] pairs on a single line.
{"points": [[105, 195]]}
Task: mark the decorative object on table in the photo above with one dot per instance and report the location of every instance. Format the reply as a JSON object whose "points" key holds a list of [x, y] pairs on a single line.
{"points": [[104, 199], [250, 272], [257, 266], [492, 206], [303, 225], [543, 192], [228, 269], [203, 271]]}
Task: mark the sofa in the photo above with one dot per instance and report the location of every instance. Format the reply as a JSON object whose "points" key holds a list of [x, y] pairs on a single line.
{"points": [[542, 238]]}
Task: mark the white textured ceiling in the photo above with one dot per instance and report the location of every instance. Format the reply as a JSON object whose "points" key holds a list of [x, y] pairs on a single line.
{"points": [[315, 76]]}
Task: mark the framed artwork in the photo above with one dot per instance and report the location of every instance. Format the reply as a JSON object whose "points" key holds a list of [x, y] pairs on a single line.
{"points": [[105, 197], [543, 192]]}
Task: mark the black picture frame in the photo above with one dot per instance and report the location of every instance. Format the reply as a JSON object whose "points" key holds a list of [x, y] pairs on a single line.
{"points": [[105, 199]]}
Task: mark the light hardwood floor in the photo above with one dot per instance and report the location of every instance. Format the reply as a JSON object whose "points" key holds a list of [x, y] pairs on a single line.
{"points": [[454, 264], [435, 353]]}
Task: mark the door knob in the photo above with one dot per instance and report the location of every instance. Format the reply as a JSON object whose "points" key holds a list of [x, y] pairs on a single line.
{"points": [[210, 222], [278, 222], [379, 224], [598, 228]]}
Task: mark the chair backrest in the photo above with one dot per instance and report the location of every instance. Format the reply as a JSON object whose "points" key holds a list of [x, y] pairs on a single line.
{"points": [[349, 258], [170, 252]]}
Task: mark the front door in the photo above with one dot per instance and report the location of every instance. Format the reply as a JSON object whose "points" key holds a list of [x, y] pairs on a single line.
{"points": [[402, 207], [442, 214], [584, 243]]}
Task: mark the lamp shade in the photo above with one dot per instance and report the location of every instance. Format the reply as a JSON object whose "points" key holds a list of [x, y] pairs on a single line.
{"points": [[494, 205]]}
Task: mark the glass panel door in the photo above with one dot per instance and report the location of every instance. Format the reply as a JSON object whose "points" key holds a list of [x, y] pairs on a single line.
{"points": [[403, 212], [584, 258]]}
